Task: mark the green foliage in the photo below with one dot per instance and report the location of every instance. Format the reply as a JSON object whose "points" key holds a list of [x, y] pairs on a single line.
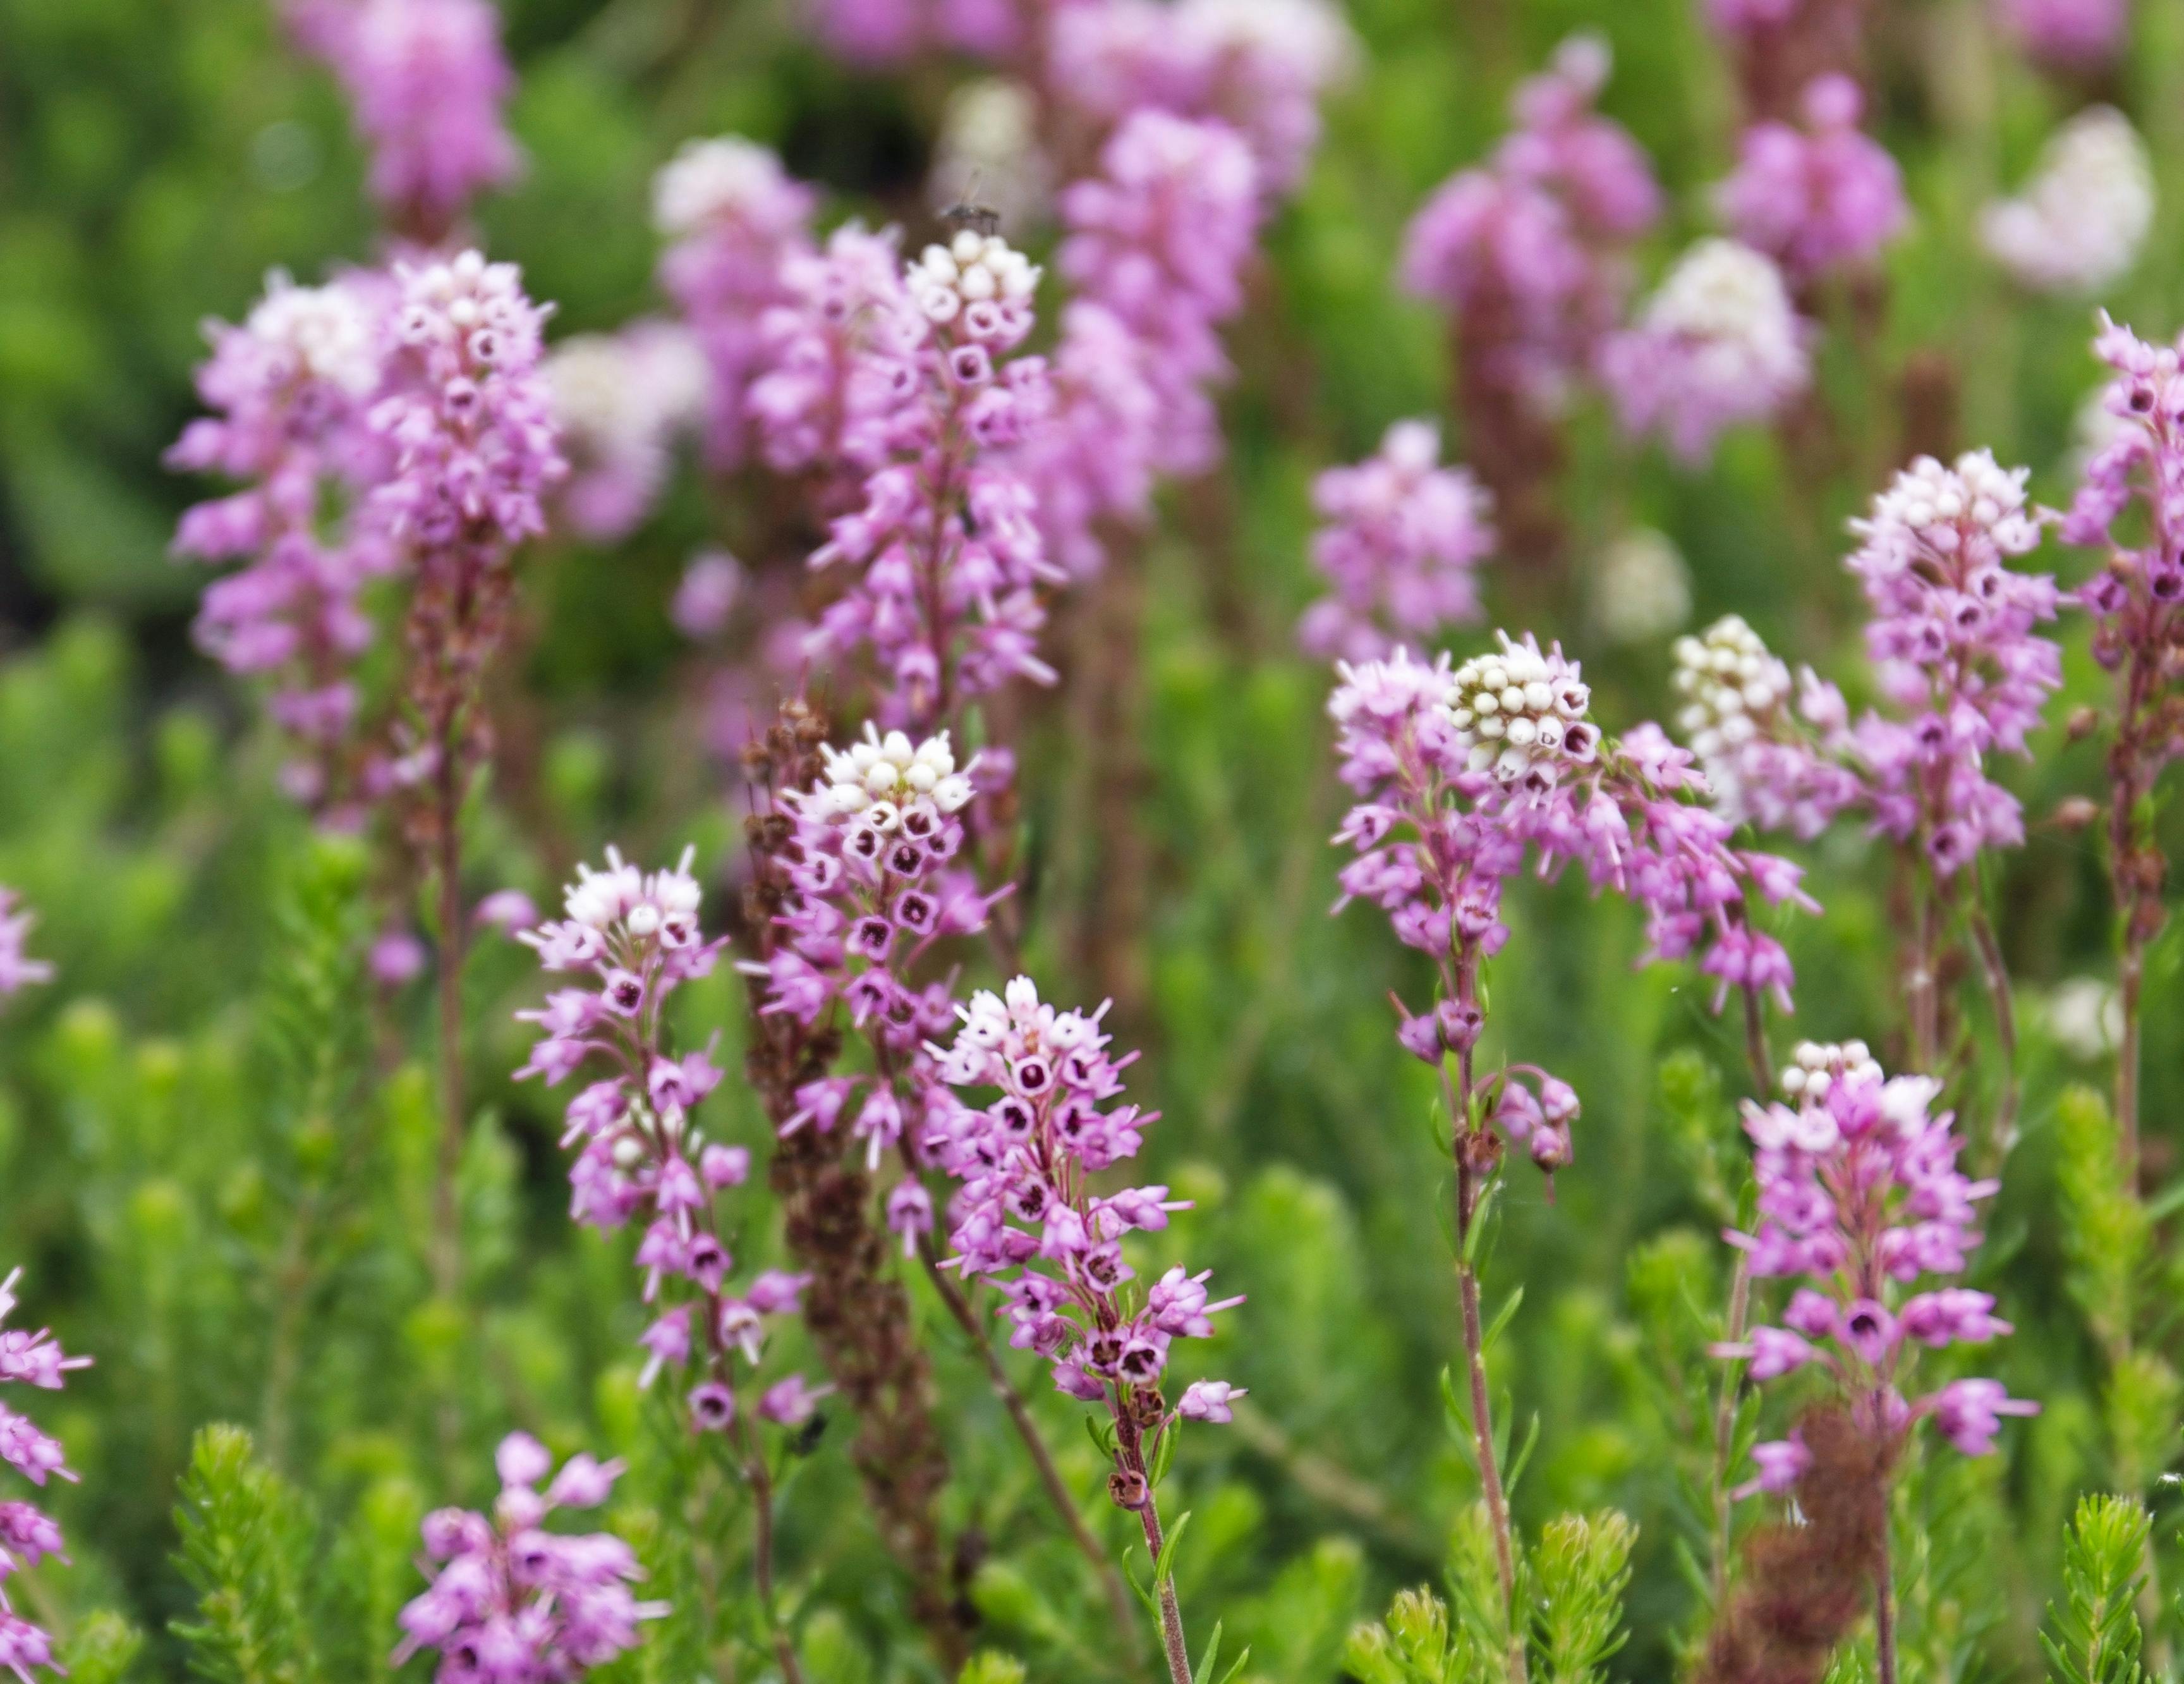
{"points": [[1581, 1567], [247, 1545], [2093, 1637], [2108, 1233], [102, 1648], [1413, 1645]]}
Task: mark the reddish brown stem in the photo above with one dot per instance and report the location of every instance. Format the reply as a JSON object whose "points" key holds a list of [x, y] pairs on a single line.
{"points": [[1034, 1442], [1130, 1457]]}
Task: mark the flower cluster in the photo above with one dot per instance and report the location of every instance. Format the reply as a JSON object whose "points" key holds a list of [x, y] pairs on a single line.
{"points": [[1528, 252], [1258, 66], [469, 413], [18, 970], [641, 1155], [1817, 198], [734, 219], [27, 1534], [621, 399], [1762, 761], [2076, 226], [1952, 637], [1718, 344], [1027, 1210], [875, 33], [875, 887], [947, 558], [291, 390], [426, 80], [1402, 537], [2135, 598], [514, 1603], [1156, 247], [2070, 35], [1464, 774], [1859, 1193]]}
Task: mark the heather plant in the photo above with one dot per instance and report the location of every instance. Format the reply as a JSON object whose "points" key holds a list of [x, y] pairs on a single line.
{"points": [[853, 507]]}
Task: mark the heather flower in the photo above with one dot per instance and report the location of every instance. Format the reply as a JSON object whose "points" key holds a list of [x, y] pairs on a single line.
{"points": [[469, 413], [876, 888], [1642, 588], [27, 1534], [1155, 248], [2076, 226], [945, 557], [291, 390], [1953, 646], [426, 80], [635, 938], [1718, 344], [2130, 504], [621, 400], [876, 33], [1159, 239], [1764, 761], [1401, 539], [733, 220], [1528, 252], [1256, 66], [1818, 197], [1026, 1214], [514, 1601], [17, 969], [1860, 1194], [2067, 34], [1465, 773]]}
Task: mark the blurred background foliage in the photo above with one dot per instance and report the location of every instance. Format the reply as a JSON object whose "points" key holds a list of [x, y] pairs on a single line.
{"points": [[215, 1130]]}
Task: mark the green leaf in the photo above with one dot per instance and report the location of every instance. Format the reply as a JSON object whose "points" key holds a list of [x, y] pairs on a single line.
{"points": [[247, 1543], [1502, 1319], [1165, 1567], [1582, 1566], [2094, 1636]]}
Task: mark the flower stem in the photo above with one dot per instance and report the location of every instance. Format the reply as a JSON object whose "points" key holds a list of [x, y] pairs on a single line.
{"points": [[446, 1214], [1884, 1607], [1468, 1189], [1725, 1430], [1130, 1457], [1035, 1443], [757, 1475], [2002, 1133]]}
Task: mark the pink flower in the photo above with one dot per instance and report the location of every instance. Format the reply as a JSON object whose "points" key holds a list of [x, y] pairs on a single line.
{"points": [[1402, 540], [539, 1604], [426, 80], [1860, 1192], [1817, 198]]}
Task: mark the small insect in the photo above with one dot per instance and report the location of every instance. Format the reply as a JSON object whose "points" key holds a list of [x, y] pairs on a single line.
{"points": [[967, 213], [805, 1439]]}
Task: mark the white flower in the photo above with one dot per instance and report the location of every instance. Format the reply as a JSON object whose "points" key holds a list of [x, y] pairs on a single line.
{"points": [[1931, 509], [2085, 1015], [2079, 223], [323, 333], [597, 899], [616, 395], [1517, 708], [710, 181], [890, 773], [1642, 589], [1727, 681], [1729, 298], [971, 269]]}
